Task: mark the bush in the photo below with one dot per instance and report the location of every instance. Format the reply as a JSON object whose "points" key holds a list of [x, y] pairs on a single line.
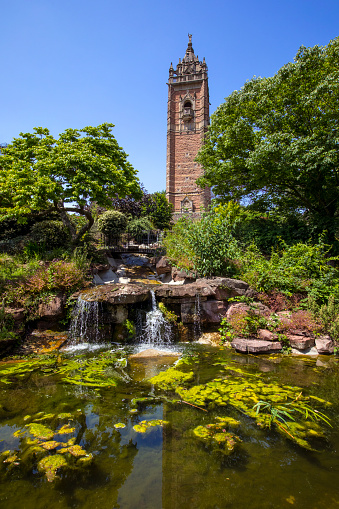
{"points": [[137, 227], [302, 268], [207, 246], [50, 233], [112, 223]]}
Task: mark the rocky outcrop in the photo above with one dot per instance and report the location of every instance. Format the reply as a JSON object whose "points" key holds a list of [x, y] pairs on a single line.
{"points": [[245, 345], [324, 345]]}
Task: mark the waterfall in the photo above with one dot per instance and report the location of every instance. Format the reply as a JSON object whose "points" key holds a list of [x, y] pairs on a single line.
{"points": [[85, 322], [157, 330], [197, 318]]}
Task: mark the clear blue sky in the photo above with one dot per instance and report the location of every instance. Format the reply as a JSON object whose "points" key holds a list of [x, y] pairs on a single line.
{"points": [[76, 63]]}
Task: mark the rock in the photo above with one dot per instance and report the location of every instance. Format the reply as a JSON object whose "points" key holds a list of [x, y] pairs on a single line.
{"points": [[163, 266], [108, 276], [117, 293], [213, 311], [52, 309], [255, 345], [210, 338], [18, 314], [165, 278], [225, 288], [112, 262], [97, 280], [154, 352], [266, 335], [178, 275], [324, 345], [300, 342], [257, 307], [306, 351]]}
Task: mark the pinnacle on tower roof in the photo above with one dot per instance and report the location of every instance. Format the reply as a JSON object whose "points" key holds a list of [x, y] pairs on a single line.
{"points": [[189, 55]]}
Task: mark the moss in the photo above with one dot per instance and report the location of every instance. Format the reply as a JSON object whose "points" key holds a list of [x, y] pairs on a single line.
{"points": [[50, 464]]}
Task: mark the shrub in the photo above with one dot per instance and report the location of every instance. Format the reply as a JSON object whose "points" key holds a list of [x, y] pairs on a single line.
{"points": [[302, 268], [207, 246], [50, 233], [138, 226], [112, 223]]}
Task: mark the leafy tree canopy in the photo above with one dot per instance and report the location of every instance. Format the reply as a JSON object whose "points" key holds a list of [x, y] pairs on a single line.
{"points": [[275, 143], [39, 173]]}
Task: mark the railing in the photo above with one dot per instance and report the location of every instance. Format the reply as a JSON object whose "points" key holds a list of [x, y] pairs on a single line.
{"points": [[147, 242]]}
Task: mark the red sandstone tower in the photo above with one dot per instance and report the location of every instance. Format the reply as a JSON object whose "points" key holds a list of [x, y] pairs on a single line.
{"points": [[187, 122]]}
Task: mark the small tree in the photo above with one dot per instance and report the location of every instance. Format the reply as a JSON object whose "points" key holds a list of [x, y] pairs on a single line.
{"points": [[112, 223], [40, 174]]}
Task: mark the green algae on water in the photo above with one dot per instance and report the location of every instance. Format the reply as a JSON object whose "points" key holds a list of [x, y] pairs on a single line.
{"points": [[171, 378], [50, 464], [143, 426]]}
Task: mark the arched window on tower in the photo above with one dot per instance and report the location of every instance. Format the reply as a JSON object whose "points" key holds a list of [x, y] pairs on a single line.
{"points": [[188, 116]]}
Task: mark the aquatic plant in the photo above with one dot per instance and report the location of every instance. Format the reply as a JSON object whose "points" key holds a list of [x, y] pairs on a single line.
{"points": [[50, 464], [217, 435], [171, 378], [143, 426], [103, 370]]}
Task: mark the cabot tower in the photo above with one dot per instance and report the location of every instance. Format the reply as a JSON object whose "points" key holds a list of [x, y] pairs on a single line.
{"points": [[187, 122]]}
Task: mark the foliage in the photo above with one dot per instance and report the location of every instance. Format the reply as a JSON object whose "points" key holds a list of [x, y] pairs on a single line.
{"points": [[243, 322], [154, 207], [207, 246], [50, 233], [54, 276], [300, 268], [328, 314], [136, 227], [267, 230], [112, 223], [41, 173], [160, 211], [274, 142]]}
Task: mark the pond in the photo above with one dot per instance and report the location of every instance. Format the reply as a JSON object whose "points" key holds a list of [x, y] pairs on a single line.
{"points": [[86, 429]]}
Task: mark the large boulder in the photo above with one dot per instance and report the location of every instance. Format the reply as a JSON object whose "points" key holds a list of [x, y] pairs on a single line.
{"points": [[163, 266], [257, 307], [300, 342], [117, 293], [213, 311], [52, 309], [324, 345], [245, 345]]}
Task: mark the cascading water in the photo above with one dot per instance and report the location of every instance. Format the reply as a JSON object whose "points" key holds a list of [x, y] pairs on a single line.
{"points": [[197, 318], [157, 331], [85, 322]]}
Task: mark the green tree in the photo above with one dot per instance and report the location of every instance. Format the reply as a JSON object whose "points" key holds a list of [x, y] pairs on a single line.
{"points": [[159, 210], [275, 144], [40, 173]]}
